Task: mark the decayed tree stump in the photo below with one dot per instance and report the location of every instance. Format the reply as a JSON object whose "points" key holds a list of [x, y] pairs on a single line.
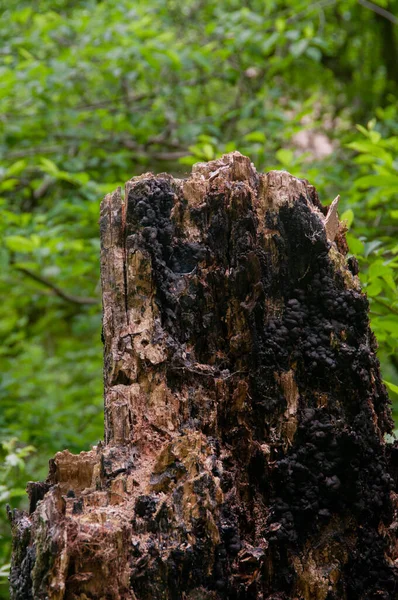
{"points": [[244, 411]]}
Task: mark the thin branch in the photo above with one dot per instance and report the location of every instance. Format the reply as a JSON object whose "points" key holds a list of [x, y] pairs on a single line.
{"points": [[110, 102], [320, 4], [142, 151], [56, 290], [390, 308], [379, 10], [168, 155], [33, 151], [80, 107], [43, 188]]}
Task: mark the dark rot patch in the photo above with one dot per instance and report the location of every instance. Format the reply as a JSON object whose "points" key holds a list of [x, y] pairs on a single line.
{"points": [[145, 506]]}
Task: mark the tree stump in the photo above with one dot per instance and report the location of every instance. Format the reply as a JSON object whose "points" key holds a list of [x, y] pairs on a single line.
{"points": [[244, 454]]}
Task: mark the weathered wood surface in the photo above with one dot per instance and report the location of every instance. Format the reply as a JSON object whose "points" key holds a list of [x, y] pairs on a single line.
{"points": [[244, 453]]}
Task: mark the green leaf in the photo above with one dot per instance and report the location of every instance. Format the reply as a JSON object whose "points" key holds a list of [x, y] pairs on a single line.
{"points": [[374, 288], [256, 136], [363, 130], [355, 245], [19, 243], [389, 279], [388, 324], [285, 156], [375, 136], [372, 150], [299, 47], [16, 168], [391, 386], [8, 185], [376, 181], [370, 247], [269, 42], [348, 217], [5, 570], [208, 151], [48, 166], [188, 160], [378, 268]]}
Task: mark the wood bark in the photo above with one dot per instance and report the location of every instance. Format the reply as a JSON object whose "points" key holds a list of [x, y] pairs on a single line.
{"points": [[244, 454]]}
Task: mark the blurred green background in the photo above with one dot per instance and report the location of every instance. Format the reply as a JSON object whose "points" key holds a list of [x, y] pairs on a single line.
{"points": [[92, 93]]}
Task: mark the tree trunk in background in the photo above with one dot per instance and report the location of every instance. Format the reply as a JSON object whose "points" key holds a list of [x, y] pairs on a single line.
{"points": [[244, 453], [389, 51]]}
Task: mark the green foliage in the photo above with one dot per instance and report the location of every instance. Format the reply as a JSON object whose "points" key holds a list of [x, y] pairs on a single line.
{"points": [[12, 468], [13, 458], [95, 92], [373, 205]]}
